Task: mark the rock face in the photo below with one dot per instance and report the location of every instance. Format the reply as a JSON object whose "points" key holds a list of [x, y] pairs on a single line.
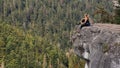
{"points": [[99, 45]]}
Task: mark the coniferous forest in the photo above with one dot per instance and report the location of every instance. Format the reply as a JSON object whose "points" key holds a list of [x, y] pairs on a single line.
{"points": [[36, 33]]}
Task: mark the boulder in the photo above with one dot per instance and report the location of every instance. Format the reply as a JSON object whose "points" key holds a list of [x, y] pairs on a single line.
{"points": [[98, 45]]}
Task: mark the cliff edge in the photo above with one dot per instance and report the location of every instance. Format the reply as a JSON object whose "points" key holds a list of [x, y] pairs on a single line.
{"points": [[99, 45]]}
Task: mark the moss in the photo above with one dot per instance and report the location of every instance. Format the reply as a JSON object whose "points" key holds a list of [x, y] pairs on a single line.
{"points": [[106, 48]]}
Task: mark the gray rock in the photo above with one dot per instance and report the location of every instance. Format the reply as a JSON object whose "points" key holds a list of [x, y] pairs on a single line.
{"points": [[101, 45]]}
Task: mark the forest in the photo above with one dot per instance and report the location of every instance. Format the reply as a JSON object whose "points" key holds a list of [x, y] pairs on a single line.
{"points": [[36, 33]]}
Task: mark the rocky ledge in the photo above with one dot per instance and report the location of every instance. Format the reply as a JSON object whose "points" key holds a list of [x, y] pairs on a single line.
{"points": [[99, 45]]}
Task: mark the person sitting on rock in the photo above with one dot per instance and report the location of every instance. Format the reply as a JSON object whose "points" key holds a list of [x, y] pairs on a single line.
{"points": [[85, 21]]}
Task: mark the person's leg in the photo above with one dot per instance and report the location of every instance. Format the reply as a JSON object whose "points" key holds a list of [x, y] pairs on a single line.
{"points": [[87, 23], [82, 25]]}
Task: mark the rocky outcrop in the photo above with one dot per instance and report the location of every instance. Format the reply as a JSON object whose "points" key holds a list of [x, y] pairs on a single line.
{"points": [[99, 45]]}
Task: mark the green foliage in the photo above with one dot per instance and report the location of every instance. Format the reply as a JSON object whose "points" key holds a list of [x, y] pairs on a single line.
{"points": [[105, 16], [117, 14], [53, 11], [22, 49]]}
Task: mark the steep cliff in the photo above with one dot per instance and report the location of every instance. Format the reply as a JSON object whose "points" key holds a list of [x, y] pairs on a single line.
{"points": [[99, 45]]}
